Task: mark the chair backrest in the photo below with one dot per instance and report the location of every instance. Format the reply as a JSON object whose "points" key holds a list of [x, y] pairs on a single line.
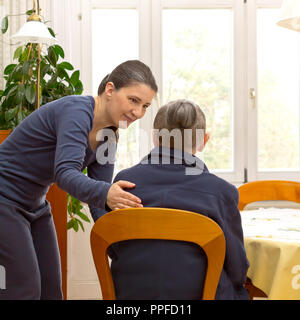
{"points": [[268, 190], [158, 223]]}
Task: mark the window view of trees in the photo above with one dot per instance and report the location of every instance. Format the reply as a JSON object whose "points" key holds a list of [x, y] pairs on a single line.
{"points": [[197, 60], [197, 65], [278, 93]]}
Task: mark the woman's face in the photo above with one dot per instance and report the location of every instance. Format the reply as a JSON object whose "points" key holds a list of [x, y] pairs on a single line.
{"points": [[127, 104]]}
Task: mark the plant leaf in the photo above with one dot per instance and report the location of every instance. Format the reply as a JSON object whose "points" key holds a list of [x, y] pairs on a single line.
{"points": [[83, 216], [4, 24], [9, 68], [7, 89], [75, 77], [81, 224], [21, 115], [66, 65], [29, 12], [20, 94], [52, 82], [18, 52], [75, 225], [26, 67], [11, 113], [17, 73], [59, 50], [78, 87], [70, 224], [25, 54], [62, 73], [12, 91], [52, 56], [30, 94], [51, 32], [44, 69]]}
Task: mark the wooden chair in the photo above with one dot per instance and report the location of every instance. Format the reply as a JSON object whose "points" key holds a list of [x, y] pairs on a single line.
{"points": [[157, 223], [266, 190]]}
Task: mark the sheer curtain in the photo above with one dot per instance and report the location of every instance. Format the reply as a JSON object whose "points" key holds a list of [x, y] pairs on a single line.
{"points": [[7, 47]]}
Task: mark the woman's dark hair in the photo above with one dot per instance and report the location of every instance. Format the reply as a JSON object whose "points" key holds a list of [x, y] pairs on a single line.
{"points": [[128, 73]]}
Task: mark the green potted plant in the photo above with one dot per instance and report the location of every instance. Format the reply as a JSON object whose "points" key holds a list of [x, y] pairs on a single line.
{"points": [[18, 99]]}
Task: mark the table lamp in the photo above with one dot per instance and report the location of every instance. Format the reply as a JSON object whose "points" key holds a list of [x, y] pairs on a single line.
{"points": [[35, 31]]}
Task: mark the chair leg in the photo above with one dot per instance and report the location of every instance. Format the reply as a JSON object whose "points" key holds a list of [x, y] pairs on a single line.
{"points": [[254, 291]]}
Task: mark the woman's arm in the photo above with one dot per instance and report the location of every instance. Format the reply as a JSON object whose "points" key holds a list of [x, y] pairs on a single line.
{"points": [[103, 173], [72, 128]]}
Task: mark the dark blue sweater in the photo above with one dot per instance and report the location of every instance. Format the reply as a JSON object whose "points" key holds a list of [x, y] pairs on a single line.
{"points": [[52, 145]]}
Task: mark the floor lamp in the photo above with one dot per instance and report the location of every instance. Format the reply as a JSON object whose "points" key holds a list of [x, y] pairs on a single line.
{"points": [[35, 31]]}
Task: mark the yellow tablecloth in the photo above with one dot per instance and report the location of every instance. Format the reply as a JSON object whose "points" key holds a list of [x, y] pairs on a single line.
{"points": [[272, 242]]}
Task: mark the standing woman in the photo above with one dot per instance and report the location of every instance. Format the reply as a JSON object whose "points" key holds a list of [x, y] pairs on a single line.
{"points": [[54, 144]]}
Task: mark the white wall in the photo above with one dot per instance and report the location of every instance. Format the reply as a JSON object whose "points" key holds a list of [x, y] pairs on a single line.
{"points": [[82, 277]]}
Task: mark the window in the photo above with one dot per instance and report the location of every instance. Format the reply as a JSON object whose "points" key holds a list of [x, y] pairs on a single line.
{"points": [[197, 65], [273, 115], [278, 93], [115, 31], [226, 55]]}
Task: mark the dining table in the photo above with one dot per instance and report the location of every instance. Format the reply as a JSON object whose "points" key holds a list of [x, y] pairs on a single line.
{"points": [[272, 243]]}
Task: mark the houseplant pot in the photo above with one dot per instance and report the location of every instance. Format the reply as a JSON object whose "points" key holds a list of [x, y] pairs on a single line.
{"points": [[4, 134]]}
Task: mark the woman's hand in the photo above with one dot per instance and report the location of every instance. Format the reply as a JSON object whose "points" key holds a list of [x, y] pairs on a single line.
{"points": [[117, 198]]}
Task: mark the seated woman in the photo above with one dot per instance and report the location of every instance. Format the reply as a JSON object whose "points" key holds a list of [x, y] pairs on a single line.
{"points": [[170, 176]]}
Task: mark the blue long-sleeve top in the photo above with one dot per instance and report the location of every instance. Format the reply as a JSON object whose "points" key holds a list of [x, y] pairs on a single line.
{"points": [[52, 145]]}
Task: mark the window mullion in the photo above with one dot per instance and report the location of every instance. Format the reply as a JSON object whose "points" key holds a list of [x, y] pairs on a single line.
{"points": [[149, 53], [250, 107]]}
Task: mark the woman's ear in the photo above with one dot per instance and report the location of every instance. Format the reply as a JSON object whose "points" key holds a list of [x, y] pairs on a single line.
{"points": [[109, 89]]}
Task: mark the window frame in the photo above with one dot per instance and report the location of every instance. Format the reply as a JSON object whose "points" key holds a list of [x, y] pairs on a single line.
{"points": [[252, 133], [236, 175], [244, 116]]}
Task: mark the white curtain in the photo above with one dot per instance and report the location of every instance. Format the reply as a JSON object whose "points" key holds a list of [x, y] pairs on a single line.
{"points": [[7, 47]]}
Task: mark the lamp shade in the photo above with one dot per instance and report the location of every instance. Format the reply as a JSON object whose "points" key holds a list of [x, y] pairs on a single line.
{"points": [[290, 15], [34, 32]]}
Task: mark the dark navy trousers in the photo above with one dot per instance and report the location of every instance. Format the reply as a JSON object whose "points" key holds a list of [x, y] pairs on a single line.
{"points": [[29, 254]]}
